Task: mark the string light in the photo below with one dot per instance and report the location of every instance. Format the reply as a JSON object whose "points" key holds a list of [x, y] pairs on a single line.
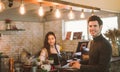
{"points": [[57, 13], [71, 15], [82, 14], [2, 6], [22, 8], [41, 11]]}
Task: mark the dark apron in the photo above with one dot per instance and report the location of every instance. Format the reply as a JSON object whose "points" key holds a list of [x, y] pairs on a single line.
{"points": [[55, 58]]}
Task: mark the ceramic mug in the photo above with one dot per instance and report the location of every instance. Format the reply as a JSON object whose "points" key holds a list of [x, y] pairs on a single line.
{"points": [[51, 61], [46, 67]]}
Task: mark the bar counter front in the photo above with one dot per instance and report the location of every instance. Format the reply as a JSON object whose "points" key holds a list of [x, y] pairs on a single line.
{"points": [[115, 66]]}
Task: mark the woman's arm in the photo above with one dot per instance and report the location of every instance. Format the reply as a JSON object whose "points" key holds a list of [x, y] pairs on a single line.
{"points": [[43, 54]]}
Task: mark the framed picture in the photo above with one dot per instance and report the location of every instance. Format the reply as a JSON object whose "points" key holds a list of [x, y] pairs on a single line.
{"points": [[77, 35], [68, 35]]}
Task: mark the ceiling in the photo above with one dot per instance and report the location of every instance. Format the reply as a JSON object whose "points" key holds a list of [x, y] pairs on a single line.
{"points": [[33, 5], [107, 5]]}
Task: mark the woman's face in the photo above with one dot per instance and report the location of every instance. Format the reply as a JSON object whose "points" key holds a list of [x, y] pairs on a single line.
{"points": [[51, 40]]}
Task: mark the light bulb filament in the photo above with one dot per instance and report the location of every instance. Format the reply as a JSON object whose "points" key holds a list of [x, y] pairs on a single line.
{"points": [[22, 9], [41, 11], [57, 13]]}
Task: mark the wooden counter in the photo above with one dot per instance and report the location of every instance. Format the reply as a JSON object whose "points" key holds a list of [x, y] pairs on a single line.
{"points": [[115, 64], [114, 59]]}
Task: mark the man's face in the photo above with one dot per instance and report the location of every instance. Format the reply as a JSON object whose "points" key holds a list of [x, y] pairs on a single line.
{"points": [[94, 28]]}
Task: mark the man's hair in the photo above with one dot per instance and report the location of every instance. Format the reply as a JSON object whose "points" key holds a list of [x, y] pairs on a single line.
{"points": [[95, 18]]}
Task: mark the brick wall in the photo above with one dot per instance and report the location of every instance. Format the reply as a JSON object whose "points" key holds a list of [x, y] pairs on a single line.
{"points": [[56, 27], [11, 43]]}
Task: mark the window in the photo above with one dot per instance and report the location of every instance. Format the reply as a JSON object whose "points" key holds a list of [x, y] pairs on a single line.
{"points": [[76, 26], [109, 23], [81, 26]]}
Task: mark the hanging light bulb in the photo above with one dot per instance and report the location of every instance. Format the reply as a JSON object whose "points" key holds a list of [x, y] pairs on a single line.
{"points": [[92, 13], [22, 8], [2, 6], [57, 13], [39, 0], [82, 14], [40, 11], [71, 15]]}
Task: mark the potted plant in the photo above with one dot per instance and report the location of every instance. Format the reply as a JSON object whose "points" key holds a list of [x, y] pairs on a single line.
{"points": [[113, 36], [42, 70]]}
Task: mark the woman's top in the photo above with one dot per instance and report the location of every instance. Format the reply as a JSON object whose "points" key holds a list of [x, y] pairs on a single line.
{"points": [[44, 54]]}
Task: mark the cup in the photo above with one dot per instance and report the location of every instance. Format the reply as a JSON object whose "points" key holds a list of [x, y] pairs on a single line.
{"points": [[46, 67], [34, 69], [51, 61]]}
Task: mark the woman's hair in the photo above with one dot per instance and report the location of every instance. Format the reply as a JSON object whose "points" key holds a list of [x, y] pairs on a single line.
{"points": [[95, 18], [46, 44]]}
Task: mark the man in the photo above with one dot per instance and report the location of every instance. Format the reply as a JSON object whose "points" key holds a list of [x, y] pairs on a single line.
{"points": [[100, 49]]}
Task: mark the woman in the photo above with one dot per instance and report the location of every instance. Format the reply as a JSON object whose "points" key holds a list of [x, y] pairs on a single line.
{"points": [[50, 49]]}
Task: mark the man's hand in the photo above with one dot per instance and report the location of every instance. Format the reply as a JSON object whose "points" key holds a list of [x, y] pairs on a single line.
{"points": [[75, 64]]}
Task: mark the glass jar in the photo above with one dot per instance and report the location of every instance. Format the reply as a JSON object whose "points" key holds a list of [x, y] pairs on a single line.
{"points": [[8, 26]]}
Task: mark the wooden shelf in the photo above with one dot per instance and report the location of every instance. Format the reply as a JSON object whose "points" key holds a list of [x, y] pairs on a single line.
{"points": [[9, 32], [12, 30]]}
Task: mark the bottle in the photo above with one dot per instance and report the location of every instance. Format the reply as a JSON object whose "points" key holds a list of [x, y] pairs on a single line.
{"points": [[11, 65], [8, 26]]}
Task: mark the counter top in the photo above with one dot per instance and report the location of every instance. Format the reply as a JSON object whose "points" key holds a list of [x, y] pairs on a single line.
{"points": [[114, 59]]}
